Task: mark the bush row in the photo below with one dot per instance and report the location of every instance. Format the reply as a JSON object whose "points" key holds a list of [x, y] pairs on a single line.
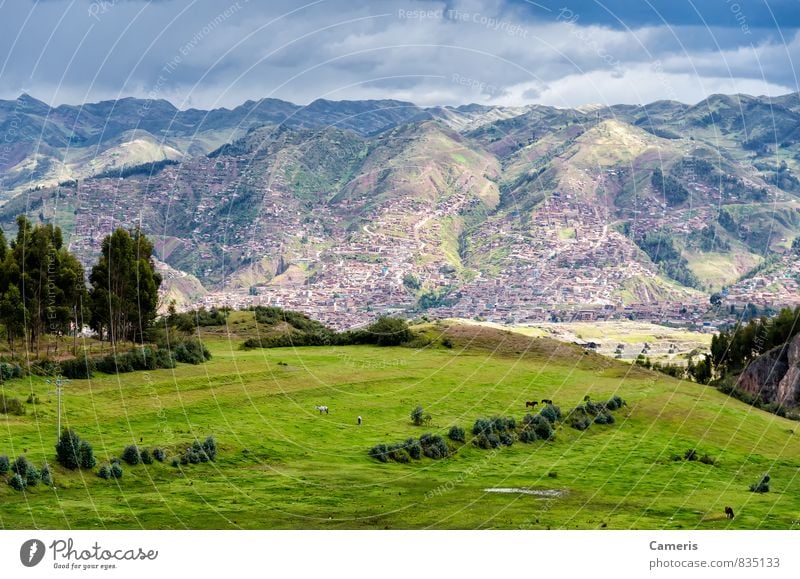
{"points": [[386, 331], [431, 445], [25, 474], [582, 416], [189, 351]]}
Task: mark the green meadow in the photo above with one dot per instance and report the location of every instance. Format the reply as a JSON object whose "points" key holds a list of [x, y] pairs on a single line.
{"points": [[283, 465]]}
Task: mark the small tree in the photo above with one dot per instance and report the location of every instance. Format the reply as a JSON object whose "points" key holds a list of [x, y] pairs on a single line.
{"points": [[86, 455], [5, 465], [32, 476], [456, 433], [386, 331], [146, 457], [46, 474], [20, 466], [131, 455], [116, 470], [417, 416], [104, 472], [17, 483], [67, 450], [159, 454]]}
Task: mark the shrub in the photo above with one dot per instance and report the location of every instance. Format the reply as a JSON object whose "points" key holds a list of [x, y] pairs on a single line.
{"points": [[210, 448], [579, 419], [386, 331], [164, 358], [506, 438], [115, 364], [191, 351], [604, 418], [11, 406], [527, 435], [501, 424], [380, 452], [78, 368], [552, 474], [20, 466], [761, 486], [116, 470], [5, 465], [596, 407], [456, 433], [552, 413], [482, 426], [417, 415], [67, 453], [86, 455], [690, 454], [175, 462], [104, 472], [487, 440], [433, 446], [615, 403], [708, 459], [146, 457], [414, 448], [46, 474], [194, 454], [17, 483], [32, 476], [44, 367], [159, 454], [398, 453], [542, 427], [9, 371], [131, 455]]}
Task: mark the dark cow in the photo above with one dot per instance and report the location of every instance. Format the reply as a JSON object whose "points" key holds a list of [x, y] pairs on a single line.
{"points": [[729, 512], [531, 404], [546, 401]]}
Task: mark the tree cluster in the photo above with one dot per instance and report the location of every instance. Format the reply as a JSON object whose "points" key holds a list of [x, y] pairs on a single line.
{"points": [[43, 287]]}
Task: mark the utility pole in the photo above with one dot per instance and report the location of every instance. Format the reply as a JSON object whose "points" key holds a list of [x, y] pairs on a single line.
{"points": [[59, 384]]}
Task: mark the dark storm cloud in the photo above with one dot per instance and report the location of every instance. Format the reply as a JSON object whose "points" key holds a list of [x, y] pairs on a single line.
{"points": [[220, 53]]}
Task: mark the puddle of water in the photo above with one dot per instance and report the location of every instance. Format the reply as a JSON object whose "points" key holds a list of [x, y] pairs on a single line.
{"points": [[542, 493]]}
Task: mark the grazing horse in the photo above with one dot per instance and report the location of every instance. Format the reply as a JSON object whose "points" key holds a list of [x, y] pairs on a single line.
{"points": [[531, 404], [322, 409], [359, 421], [729, 512], [546, 401]]}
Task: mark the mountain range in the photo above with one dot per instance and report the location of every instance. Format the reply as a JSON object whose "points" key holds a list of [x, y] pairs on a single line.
{"points": [[345, 209]]}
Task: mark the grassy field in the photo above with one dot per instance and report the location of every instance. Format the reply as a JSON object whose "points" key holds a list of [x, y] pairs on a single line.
{"points": [[283, 465]]}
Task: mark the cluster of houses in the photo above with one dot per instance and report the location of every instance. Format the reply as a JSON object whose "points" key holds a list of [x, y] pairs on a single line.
{"points": [[346, 264]]}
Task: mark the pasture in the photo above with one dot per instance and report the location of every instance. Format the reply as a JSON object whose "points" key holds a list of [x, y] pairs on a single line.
{"points": [[283, 464]]}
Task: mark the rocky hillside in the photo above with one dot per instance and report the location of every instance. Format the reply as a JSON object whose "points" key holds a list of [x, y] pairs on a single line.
{"points": [[775, 376]]}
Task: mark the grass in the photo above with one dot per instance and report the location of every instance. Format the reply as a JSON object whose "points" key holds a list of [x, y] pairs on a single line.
{"points": [[717, 270], [283, 465]]}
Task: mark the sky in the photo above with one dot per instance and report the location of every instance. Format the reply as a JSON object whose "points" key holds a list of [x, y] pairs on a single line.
{"points": [[208, 54]]}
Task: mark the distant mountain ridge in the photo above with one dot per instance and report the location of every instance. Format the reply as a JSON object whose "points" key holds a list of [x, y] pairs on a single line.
{"points": [[506, 213]]}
